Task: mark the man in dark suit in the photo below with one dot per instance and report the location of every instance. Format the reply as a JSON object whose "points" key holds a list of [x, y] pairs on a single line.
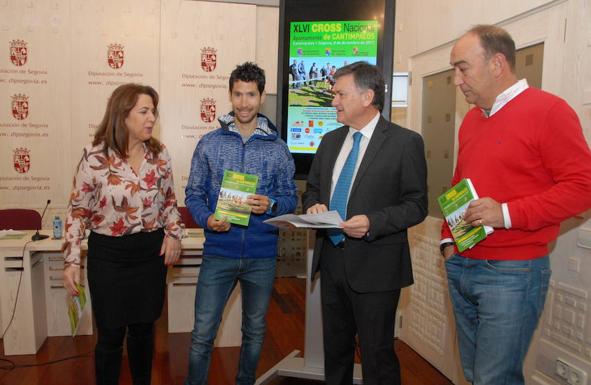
{"points": [[374, 173]]}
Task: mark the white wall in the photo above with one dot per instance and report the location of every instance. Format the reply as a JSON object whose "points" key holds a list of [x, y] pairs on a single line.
{"points": [[425, 33], [67, 79]]}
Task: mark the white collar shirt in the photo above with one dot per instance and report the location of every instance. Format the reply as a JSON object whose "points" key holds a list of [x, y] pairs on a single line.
{"points": [[366, 133], [506, 96]]}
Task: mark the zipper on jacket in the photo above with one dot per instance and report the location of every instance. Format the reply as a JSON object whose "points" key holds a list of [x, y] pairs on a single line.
{"points": [[242, 170], [251, 139]]}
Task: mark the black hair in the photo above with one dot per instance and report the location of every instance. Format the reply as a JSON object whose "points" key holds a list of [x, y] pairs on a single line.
{"points": [[248, 72]]}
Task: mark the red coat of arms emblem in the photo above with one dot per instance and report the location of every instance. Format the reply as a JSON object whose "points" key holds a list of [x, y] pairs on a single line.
{"points": [[207, 110], [21, 159], [18, 52], [208, 59], [115, 56], [20, 106]]}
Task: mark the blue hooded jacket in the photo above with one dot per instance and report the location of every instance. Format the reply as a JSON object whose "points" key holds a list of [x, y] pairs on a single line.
{"points": [[264, 155]]}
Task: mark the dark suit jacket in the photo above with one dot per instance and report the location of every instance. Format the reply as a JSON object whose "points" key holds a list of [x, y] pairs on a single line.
{"points": [[391, 189]]}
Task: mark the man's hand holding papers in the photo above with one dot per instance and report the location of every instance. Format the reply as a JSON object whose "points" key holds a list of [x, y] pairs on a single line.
{"points": [[324, 220]]}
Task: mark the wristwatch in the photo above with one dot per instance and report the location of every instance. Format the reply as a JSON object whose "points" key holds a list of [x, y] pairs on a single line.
{"points": [[444, 245], [272, 206]]}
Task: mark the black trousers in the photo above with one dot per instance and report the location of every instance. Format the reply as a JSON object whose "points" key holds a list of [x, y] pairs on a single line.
{"points": [[346, 313], [109, 348]]}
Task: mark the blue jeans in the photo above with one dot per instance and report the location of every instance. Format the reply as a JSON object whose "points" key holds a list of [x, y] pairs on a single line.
{"points": [[497, 305], [217, 278]]}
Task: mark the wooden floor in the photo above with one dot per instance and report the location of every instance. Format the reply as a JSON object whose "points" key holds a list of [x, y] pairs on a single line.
{"points": [[285, 333]]}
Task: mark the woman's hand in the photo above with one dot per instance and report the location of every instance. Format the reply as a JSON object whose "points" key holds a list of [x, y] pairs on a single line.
{"points": [[171, 249], [72, 278]]}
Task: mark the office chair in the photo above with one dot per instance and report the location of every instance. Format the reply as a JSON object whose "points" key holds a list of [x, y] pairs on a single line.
{"points": [[187, 219], [20, 219]]}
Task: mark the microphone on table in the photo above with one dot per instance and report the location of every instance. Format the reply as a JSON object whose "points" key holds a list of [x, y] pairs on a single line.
{"points": [[37, 236]]}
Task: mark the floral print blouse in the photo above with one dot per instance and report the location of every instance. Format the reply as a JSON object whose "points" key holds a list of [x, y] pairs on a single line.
{"points": [[110, 199]]}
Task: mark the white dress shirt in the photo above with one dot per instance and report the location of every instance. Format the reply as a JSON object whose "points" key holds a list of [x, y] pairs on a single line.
{"points": [[506, 96], [366, 133]]}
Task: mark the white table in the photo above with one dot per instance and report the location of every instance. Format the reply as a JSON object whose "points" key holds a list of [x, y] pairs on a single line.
{"points": [[41, 308], [37, 268]]}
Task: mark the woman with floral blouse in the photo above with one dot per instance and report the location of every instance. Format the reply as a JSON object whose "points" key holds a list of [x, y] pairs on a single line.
{"points": [[123, 192]]}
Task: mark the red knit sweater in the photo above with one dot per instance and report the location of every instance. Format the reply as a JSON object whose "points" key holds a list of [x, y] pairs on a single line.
{"points": [[532, 155]]}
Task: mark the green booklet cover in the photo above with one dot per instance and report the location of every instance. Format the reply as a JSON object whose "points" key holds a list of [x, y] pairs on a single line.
{"points": [[75, 308], [454, 203], [232, 206]]}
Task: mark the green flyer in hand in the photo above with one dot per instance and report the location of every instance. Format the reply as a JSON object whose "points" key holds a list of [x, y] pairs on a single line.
{"points": [[76, 306], [232, 206], [454, 204]]}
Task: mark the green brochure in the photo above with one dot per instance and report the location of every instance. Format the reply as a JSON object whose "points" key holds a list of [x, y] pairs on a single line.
{"points": [[232, 206], [454, 203], [76, 306]]}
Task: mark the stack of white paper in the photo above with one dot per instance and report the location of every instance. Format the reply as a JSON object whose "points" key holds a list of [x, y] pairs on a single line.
{"points": [[325, 220]]}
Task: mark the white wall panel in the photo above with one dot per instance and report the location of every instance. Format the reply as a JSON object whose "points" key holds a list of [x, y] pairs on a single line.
{"points": [[67, 79], [191, 29], [423, 25], [40, 81], [130, 31], [267, 45]]}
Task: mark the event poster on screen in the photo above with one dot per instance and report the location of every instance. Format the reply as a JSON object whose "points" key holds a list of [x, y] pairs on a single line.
{"points": [[316, 50]]}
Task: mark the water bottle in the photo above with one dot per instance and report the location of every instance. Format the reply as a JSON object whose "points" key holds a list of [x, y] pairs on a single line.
{"points": [[57, 227]]}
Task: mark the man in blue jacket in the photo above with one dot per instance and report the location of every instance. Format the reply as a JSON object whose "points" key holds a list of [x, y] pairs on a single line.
{"points": [[246, 142]]}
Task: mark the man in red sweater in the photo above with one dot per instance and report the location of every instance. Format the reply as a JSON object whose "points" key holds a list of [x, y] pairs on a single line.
{"points": [[526, 155]]}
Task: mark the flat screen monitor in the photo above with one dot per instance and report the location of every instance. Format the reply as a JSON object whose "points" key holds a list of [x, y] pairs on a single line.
{"points": [[317, 37], [316, 50]]}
